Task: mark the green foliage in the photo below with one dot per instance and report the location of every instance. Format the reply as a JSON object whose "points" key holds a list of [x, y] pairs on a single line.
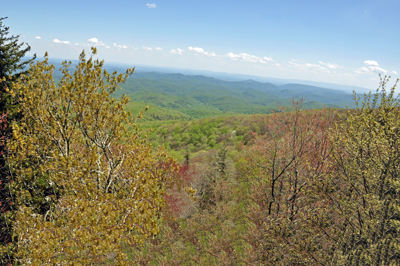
{"points": [[207, 133], [155, 113], [11, 66], [78, 153], [367, 149], [198, 97], [211, 143]]}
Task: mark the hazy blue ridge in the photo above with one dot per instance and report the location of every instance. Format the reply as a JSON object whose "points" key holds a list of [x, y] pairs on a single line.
{"points": [[199, 96], [207, 89]]}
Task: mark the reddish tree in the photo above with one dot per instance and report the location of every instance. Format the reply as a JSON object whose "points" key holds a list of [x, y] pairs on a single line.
{"points": [[177, 199], [286, 184]]}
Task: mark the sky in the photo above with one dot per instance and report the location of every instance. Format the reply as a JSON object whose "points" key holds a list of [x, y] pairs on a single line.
{"points": [[345, 42]]}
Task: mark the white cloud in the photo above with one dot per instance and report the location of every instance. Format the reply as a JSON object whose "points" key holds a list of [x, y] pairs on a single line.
{"points": [[200, 51], [176, 51], [394, 72], [58, 41], [151, 5], [158, 49], [93, 40], [147, 48], [371, 70], [38, 38], [371, 63], [96, 41], [329, 65], [107, 46], [309, 67], [120, 46], [248, 58]]}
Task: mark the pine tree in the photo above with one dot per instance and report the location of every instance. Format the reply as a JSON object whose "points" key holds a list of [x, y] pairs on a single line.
{"points": [[12, 64]]}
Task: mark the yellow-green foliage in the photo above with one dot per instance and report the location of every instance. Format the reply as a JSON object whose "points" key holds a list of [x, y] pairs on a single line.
{"points": [[103, 185], [367, 149]]}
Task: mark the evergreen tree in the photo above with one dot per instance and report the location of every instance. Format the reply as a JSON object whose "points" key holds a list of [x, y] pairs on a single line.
{"points": [[12, 65]]}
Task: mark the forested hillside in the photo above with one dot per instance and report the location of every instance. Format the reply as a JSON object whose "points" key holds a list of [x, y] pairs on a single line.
{"points": [[218, 174], [175, 96], [201, 97]]}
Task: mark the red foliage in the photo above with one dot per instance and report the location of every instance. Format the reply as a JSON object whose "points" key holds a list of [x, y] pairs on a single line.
{"points": [[288, 185], [175, 197]]}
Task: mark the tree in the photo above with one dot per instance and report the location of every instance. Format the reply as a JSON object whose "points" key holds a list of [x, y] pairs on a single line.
{"points": [[11, 62], [11, 66], [77, 152], [367, 155], [217, 170], [5, 203], [208, 236], [284, 190]]}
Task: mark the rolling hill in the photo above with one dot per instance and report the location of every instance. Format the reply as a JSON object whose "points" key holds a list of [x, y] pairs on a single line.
{"points": [[175, 96], [200, 96]]}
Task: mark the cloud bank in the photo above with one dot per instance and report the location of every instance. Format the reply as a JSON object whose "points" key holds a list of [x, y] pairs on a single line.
{"points": [[249, 58], [311, 67], [371, 68]]}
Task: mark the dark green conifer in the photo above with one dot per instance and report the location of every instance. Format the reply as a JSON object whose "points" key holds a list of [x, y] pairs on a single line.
{"points": [[12, 65]]}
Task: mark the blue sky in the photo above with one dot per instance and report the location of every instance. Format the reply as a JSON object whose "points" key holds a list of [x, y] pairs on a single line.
{"points": [[343, 42]]}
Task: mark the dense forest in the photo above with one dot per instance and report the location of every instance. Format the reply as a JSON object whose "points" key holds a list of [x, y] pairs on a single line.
{"points": [[86, 182]]}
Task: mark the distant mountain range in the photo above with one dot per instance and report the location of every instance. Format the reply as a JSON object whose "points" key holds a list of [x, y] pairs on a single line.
{"points": [[200, 96], [239, 77], [226, 76], [182, 96]]}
